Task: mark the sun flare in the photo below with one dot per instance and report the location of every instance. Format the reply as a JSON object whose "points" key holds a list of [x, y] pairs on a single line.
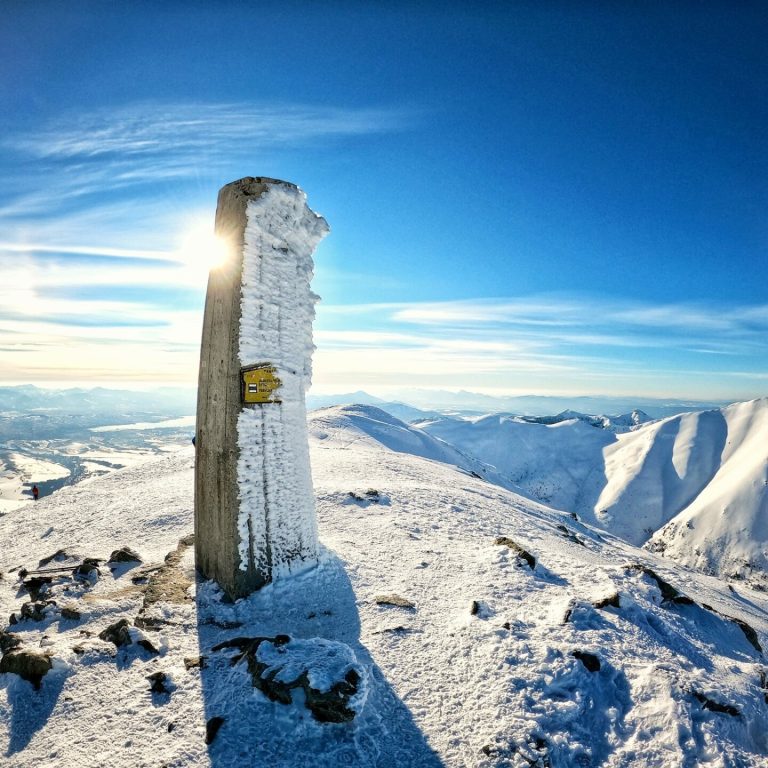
{"points": [[202, 249]]}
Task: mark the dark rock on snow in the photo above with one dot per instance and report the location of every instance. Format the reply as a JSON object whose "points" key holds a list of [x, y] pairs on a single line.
{"points": [[517, 549], [589, 660], [396, 600], [124, 555], [28, 665], [212, 728]]}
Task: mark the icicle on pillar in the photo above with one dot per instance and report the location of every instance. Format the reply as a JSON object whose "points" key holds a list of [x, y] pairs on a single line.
{"points": [[254, 504]]}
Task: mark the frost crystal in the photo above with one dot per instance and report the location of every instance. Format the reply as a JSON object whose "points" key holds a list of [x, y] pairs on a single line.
{"points": [[277, 523]]}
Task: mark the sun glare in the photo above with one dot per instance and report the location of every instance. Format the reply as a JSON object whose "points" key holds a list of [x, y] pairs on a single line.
{"points": [[202, 249]]}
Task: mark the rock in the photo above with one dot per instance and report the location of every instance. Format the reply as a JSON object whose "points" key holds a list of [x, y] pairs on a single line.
{"points": [[117, 633], [120, 634], [169, 583], [147, 646], [8, 641], [212, 728], [474, 608], [589, 660], [281, 664], [59, 556], [36, 611], [612, 601], [396, 600], [195, 662], [151, 623], [124, 555], [749, 632], [88, 570], [714, 706], [668, 592], [158, 682], [37, 585], [331, 706], [28, 665], [517, 549], [70, 613], [569, 534]]}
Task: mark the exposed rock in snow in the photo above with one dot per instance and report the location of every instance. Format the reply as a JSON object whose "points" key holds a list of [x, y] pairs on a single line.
{"points": [[28, 665]]}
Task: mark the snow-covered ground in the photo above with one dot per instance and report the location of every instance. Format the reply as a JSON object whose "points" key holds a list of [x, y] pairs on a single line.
{"points": [[469, 652]]}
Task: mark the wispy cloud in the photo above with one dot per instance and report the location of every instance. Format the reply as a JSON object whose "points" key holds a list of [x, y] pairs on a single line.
{"points": [[538, 343], [150, 129]]}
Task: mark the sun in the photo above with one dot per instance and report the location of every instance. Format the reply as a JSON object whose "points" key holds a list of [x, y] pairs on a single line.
{"points": [[201, 249]]}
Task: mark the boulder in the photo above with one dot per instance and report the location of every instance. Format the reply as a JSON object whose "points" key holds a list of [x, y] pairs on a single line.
{"points": [[125, 555], [327, 671], [28, 665]]}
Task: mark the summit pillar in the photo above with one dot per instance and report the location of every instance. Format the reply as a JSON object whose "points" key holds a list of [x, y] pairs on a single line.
{"points": [[254, 502]]}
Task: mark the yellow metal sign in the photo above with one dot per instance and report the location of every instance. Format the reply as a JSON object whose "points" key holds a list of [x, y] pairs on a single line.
{"points": [[260, 384]]}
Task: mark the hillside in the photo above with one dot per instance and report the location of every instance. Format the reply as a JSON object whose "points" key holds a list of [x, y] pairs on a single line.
{"points": [[703, 475], [577, 651], [723, 527]]}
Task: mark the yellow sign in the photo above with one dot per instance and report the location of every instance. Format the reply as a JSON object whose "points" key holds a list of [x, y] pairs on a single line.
{"points": [[260, 384]]}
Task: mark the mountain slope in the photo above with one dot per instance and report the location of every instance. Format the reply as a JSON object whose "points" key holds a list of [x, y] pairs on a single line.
{"points": [[558, 464], [723, 528], [702, 475], [579, 656]]}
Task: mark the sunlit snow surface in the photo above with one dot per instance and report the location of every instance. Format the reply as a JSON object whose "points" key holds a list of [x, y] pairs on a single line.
{"points": [[449, 683]]}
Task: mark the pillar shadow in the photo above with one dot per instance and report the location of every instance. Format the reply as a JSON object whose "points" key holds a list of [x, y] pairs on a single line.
{"points": [[256, 731]]}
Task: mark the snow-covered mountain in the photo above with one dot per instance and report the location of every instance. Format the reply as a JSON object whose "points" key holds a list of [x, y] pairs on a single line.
{"points": [[488, 630], [720, 461], [702, 475]]}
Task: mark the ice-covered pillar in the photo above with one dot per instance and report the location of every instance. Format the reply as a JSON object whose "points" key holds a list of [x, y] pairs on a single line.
{"points": [[254, 504]]}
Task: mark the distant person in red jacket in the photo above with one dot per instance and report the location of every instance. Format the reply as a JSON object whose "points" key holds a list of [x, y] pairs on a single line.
{"points": [[35, 492]]}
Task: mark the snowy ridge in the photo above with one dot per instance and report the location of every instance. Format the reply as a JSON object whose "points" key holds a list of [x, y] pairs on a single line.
{"points": [[367, 427], [579, 653], [723, 529], [558, 464]]}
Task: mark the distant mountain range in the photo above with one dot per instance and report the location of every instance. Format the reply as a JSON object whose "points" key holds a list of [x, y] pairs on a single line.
{"points": [[467, 403], [162, 402], [406, 404]]}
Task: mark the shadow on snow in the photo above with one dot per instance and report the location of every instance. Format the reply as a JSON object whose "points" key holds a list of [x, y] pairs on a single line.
{"points": [[256, 731]]}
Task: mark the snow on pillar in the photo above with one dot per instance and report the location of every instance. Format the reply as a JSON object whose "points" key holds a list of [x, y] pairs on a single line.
{"points": [[254, 503]]}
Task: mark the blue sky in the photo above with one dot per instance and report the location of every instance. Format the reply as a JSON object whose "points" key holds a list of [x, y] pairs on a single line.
{"points": [[554, 198]]}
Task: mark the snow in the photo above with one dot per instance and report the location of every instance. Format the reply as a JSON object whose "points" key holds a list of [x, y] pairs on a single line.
{"points": [[183, 421], [723, 527], [446, 684], [695, 484], [277, 523]]}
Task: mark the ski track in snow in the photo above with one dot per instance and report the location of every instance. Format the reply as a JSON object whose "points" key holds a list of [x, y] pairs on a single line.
{"points": [[446, 686]]}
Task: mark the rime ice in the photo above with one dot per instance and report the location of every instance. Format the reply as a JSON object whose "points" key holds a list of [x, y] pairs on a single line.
{"points": [[276, 523]]}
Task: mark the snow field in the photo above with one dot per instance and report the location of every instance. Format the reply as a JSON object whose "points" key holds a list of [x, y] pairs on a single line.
{"points": [[480, 672]]}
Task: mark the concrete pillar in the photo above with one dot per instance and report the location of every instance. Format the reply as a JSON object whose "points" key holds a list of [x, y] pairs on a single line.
{"points": [[254, 503]]}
